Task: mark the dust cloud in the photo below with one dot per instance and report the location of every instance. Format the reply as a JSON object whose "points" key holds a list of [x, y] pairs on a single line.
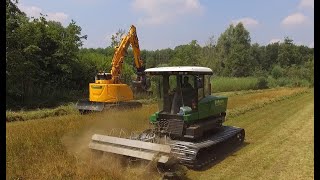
{"points": [[94, 163]]}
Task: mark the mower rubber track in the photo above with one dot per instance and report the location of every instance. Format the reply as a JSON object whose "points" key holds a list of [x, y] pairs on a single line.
{"points": [[197, 155]]}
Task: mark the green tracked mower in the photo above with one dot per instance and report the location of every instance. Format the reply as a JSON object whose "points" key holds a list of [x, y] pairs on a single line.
{"points": [[188, 128]]}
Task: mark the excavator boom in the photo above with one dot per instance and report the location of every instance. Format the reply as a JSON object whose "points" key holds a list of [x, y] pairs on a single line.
{"points": [[121, 52]]}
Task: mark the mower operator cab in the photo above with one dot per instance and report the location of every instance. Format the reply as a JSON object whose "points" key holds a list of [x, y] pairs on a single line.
{"points": [[180, 88]]}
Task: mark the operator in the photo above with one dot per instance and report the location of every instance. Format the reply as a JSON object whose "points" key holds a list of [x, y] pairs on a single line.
{"points": [[187, 92], [186, 83]]}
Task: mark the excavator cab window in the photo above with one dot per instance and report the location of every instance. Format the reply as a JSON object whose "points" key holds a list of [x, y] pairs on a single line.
{"points": [[103, 76]]}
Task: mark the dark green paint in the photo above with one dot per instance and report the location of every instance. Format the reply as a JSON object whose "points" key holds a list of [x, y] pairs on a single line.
{"points": [[208, 106]]}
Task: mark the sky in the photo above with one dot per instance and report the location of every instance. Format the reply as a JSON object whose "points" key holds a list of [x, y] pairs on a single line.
{"points": [[168, 23]]}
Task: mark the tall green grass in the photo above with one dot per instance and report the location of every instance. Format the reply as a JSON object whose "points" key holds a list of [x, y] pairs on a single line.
{"points": [[224, 84], [227, 84], [288, 82], [23, 115]]}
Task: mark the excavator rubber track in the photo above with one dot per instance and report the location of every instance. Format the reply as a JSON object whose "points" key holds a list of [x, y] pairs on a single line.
{"points": [[197, 155], [85, 106]]}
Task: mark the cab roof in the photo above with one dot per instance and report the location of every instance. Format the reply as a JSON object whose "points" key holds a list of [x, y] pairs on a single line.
{"points": [[179, 70]]}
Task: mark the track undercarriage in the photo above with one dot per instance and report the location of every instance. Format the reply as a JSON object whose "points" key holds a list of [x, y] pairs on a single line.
{"points": [[85, 106], [197, 155], [150, 145]]}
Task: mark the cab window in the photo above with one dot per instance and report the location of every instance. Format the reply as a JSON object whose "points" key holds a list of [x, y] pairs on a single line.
{"points": [[200, 85]]}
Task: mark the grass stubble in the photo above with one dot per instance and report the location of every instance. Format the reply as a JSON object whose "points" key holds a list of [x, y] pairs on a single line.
{"points": [[57, 147]]}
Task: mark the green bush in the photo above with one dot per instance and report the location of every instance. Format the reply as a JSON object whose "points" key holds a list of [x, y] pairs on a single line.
{"points": [[300, 83], [262, 83], [283, 81], [277, 72]]}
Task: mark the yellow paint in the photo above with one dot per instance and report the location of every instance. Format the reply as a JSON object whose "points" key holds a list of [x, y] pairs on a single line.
{"points": [[121, 52], [112, 90], [109, 92]]}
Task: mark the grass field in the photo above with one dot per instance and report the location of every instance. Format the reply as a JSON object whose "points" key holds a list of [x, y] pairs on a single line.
{"points": [[40, 113], [279, 141], [222, 84]]}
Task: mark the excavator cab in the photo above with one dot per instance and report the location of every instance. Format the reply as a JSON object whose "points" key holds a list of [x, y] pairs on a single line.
{"points": [[103, 78]]}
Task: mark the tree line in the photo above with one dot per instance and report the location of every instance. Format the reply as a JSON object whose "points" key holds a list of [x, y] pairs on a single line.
{"points": [[41, 59], [230, 55], [46, 64]]}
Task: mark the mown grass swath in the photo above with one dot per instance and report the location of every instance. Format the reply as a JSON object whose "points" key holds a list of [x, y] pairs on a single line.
{"points": [[279, 143], [58, 146]]}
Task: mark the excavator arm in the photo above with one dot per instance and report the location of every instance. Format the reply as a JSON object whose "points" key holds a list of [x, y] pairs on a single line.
{"points": [[135, 46], [121, 52]]}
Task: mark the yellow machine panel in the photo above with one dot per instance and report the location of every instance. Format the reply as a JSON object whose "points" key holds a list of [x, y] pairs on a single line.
{"points": [[109, 92]]}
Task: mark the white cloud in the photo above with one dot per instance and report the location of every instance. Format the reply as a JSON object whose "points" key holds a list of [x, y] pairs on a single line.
{"points": [[247, 21], [294, 19], [306, 4], [275, 40], [58, 16], [33, 11], [162, 11]]}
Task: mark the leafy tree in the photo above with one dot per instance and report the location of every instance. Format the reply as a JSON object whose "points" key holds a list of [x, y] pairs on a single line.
{"points": [[14, 66], [187, 54], [116, 38], [277, 72], [208, 54], [233, 51], [288, 53], [258, 60], [41, 56], [271, 56]]}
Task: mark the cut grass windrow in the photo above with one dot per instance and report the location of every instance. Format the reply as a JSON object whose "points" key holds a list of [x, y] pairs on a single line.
{"points": [[12, 116], [243, 96], [259, 100], [278, 145], [58, 146]]}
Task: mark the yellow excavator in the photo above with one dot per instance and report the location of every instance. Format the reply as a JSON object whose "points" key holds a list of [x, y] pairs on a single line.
{"points": [[108, 91]]}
